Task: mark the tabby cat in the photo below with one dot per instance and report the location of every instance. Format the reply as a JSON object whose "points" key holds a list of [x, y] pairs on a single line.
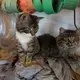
{"points": [[26, 27], [44, 45], [68, 42]]}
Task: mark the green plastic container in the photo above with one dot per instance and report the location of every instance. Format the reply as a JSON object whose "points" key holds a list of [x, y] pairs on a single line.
{"points": [[52, 6], [70, 4], [58, 5], [8, 8], [38, 5], [14, 6], [48, 6]]}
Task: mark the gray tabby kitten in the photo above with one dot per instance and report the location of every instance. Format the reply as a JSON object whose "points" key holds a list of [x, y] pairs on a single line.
{"points": [[26, 27], [68, 42]]}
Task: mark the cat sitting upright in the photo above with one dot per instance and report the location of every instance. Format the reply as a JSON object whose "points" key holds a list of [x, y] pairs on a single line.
{"points": [[26, 27]]}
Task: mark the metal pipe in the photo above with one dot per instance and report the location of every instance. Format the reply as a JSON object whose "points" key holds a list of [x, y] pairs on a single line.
{"points": [[75, 19]]}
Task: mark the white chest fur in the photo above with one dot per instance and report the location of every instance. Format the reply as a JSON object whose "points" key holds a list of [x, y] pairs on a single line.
{"points": [[23, 39]]}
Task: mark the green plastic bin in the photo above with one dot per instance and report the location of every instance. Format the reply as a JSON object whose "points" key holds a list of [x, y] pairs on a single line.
{"points": [[52, 6], [58, 5], [70, 4], [48, 6], [38, 5]]}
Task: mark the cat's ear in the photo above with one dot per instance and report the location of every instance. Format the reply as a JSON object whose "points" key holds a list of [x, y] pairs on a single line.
{"points": [[78, 31], [36, 18], [39, 18], [62, 30]]}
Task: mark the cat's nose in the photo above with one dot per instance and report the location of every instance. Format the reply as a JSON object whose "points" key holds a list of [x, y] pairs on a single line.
{"points": [[32, 33]]}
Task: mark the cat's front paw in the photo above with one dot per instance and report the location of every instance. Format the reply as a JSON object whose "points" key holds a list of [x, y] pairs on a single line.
{"points": [[28, 61]]}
